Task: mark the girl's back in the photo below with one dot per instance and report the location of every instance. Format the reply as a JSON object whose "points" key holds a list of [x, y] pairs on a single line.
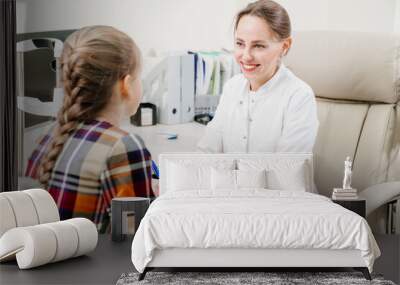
{"points": [[86, 159], [98, 162]]}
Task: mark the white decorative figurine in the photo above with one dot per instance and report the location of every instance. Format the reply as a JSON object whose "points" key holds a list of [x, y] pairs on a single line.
{"points": [[347, 173], [347, 192]]}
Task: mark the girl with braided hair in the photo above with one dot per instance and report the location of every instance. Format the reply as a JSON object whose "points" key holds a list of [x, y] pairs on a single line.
{"points": [[87, 159]]}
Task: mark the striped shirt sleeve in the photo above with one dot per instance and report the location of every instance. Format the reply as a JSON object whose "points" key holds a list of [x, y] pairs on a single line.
{"points": [[127, 171]]}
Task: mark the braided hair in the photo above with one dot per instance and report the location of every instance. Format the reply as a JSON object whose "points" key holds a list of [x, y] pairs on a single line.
{"points": [[93, 60]]}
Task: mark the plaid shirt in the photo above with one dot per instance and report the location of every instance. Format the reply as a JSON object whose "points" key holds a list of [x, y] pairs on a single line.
{"points": [[98, 162]]}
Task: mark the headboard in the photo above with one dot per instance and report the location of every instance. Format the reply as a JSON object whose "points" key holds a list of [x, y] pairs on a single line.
{"points": [[197, 159]]}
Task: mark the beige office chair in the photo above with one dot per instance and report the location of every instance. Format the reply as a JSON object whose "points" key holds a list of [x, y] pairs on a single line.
{"points": [[356, 78]]}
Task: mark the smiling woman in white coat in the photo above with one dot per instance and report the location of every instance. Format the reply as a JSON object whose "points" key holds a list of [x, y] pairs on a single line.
{"points": [[266, 108]]}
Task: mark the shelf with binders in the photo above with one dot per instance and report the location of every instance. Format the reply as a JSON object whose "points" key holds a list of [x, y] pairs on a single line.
{"points": [[206, 104]]}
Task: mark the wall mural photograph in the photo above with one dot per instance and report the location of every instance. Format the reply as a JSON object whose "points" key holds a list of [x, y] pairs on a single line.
{"points": [[207, 142]]}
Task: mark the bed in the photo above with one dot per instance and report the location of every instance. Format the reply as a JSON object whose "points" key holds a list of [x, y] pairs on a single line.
{"points": [[245, 211]]}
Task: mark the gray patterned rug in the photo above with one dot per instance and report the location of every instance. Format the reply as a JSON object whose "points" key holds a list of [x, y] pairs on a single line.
{"points": [[242, 278]]}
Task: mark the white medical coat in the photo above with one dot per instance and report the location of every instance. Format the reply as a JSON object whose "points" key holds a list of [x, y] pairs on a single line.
{"points": [[280, 116]]}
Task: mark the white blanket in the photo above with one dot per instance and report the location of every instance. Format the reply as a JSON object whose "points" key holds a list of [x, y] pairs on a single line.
{"points": [[251, 218]]}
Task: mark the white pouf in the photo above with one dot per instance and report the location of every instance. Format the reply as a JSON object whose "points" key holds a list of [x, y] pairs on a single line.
{"points": [[31, 231], [40, 244]]}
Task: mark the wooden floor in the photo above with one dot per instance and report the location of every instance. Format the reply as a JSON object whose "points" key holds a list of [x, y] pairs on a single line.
{"points": [[110, 260]]}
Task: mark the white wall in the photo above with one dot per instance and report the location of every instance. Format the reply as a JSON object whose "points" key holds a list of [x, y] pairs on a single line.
{"points": [[199, 24], [355, 15], [162, 24], [397, 18]]}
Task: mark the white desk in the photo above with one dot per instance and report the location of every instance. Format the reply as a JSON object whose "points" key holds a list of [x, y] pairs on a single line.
{"points": [[188, 136]]}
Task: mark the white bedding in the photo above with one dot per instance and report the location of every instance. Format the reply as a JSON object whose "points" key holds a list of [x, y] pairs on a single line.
{"points": [[251, 218]]}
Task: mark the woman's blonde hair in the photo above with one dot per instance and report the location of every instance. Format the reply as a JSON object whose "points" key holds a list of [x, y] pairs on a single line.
{"points": [[93, 60], [272, 13]]}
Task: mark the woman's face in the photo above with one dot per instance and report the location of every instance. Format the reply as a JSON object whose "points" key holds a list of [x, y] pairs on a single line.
{"points": [[257, 50]]}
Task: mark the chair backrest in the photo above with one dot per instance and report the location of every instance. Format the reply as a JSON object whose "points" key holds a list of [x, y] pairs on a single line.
{"points": [[356, 79]]}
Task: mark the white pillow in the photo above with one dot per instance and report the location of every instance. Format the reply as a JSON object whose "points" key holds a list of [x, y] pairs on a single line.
{"points": [[223, 179], [293, 179], [236, 179], [193, 173], [251, 178], [186, 177], [282, 174]]}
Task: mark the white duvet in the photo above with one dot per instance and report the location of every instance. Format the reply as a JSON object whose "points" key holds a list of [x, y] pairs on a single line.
{"points": [[251, 218]]}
